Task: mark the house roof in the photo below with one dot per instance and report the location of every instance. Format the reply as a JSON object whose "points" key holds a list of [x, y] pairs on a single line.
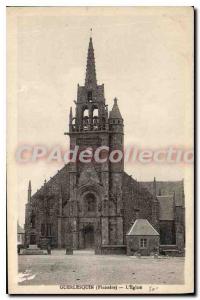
{"points": [[166, 207], [142, 227], [19, 229]]}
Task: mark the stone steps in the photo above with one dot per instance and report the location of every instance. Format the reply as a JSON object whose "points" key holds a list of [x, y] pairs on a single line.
{"points": [[33, 250]]}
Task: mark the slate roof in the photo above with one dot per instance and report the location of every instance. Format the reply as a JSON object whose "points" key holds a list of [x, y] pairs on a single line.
{"points": [[61, 178], [167, 188], [142, 227], [166, 207]]}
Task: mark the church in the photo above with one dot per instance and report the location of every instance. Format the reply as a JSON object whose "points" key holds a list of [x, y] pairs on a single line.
{"points": [[94, 205]]}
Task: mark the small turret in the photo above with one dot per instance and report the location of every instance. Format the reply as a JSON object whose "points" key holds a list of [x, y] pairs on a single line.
{"points": [[29, 191], [70, 115], [70, 120], [115, 112], [115, 118], [116, 129]]}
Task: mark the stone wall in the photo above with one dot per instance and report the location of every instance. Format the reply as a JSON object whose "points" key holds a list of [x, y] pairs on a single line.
{"points": [[133, 245], [111, 249], [167, 233], [45, 208], [137, 202]]}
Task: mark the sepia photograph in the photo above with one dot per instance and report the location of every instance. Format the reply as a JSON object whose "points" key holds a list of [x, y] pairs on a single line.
{"points": [[100, 150]]}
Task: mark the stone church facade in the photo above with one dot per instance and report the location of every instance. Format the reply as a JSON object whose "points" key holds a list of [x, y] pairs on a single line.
{"points": [[93, 205]]}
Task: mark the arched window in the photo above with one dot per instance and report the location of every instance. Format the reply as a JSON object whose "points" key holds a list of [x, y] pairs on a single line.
{"points": [[95, 112], [85, 112], [90, 202], [91, 205], [95, 118], [85, 118], [89, 96]]}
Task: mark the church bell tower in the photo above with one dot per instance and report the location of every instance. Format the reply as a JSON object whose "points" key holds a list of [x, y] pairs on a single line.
{"points": [[91, 111], [95, 207]]}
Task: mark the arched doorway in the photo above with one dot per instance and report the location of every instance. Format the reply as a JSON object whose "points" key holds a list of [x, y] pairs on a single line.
{"points": [[32, 239], [88, 233]]}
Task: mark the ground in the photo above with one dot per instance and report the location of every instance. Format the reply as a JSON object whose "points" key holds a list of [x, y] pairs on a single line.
{"points": [[86, 268]]}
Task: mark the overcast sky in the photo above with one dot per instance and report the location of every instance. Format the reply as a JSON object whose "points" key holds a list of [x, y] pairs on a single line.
{"points": [[143, 57]]}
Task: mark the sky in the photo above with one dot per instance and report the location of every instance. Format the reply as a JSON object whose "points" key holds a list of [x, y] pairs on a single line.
{"points": [[144, 58]]}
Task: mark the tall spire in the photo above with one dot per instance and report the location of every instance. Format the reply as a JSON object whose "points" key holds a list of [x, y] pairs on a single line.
{"points": [[90, 78], [29, 191]]}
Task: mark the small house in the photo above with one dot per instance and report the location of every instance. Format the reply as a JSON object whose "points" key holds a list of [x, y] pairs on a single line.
{"points": [[142, 239]]}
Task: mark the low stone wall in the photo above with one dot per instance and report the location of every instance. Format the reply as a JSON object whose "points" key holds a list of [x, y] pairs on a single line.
{"points": [[113, 249]]}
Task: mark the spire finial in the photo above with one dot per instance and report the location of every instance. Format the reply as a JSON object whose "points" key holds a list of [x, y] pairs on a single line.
{"points": [[91, 32]]}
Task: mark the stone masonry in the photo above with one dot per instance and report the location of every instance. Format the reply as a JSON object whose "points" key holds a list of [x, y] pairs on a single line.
{"points": [[93, 205]]}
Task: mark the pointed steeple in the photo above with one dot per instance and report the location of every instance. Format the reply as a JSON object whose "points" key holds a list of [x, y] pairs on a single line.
{"points": [[90, 78], [115, 112], [29, 191]]}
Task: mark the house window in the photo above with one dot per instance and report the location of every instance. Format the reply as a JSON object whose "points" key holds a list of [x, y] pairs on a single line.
{"points": [[143, 243]]}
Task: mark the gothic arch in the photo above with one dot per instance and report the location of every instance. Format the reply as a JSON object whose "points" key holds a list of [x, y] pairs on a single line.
{"points": [[83, 194], [85, 111], [95, 111]]}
